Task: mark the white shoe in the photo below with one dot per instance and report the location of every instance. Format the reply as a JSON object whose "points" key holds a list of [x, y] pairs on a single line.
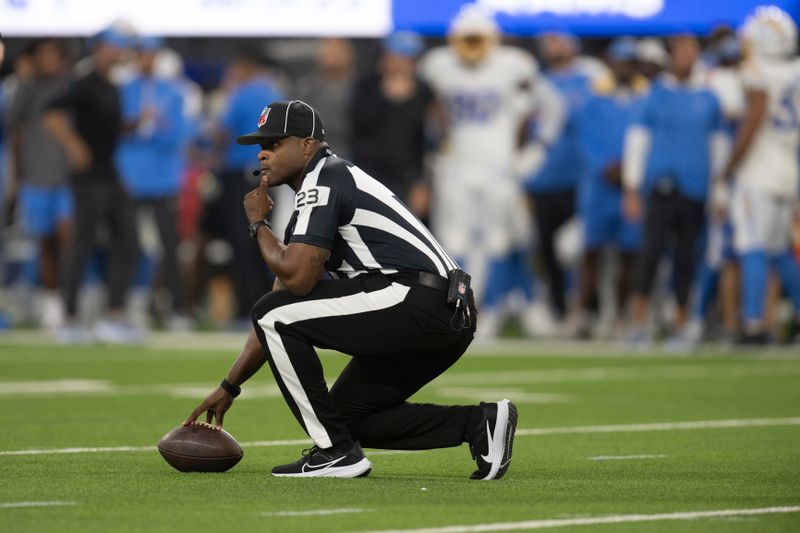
{"points": [[52, 311], [693, 331], [137, 307], [72, 334], [180, 324], [681, 342], [113, 332], [538, 321], [489, 322], [638, 339]]}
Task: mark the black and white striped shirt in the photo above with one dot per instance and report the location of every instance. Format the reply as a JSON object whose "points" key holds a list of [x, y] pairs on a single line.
{"points": [[367, 229]]}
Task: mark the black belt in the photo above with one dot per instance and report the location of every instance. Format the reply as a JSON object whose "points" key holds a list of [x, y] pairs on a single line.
{"points": [[434, 281]]}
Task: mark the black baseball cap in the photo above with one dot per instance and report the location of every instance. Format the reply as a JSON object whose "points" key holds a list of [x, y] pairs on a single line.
{"points": [[282, 119]]}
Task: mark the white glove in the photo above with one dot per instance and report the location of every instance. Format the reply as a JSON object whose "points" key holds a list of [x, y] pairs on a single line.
{"points": [[720, 198], [529, 160]]}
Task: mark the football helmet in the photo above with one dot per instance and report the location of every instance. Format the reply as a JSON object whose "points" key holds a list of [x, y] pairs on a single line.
{"points": [[473, 34], [769, 31]]}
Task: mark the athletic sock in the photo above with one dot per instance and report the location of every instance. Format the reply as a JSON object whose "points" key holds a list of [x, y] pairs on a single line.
{"points": [[707, 280], [789, 272], [497, 281], [755, 274]]}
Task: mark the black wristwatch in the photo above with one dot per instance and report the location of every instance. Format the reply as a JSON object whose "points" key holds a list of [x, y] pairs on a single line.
{"points": [[257, 224], [230, 388]]}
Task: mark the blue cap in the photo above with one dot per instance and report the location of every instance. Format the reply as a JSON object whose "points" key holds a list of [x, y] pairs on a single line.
{"points": [[404, 43], [622, 49], [149, 43], [113, 37]]}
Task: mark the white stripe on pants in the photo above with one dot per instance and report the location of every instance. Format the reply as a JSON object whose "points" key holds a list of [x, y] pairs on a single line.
{"points": [[361, 302]]}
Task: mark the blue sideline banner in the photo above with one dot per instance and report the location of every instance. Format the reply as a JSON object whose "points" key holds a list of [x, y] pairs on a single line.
{"points": [[366, 18], [586, 17]]}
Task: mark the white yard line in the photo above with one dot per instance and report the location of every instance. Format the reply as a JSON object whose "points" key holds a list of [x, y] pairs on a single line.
{"points": [[268, 443], [627, 457], [315, 512], [18, 505], [616, 428], [58, 451], [486, 394], [663, 426], [451, 385], [620, 373], [614, 519], [55, 386], [233, 341], [83, 387], [392, 452]]}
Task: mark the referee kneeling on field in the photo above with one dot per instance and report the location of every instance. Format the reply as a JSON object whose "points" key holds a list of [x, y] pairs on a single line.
{"points": [[397, 303]]}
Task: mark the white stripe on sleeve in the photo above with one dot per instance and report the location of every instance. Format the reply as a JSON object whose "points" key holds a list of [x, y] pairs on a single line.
{"points": [[371, 219]]}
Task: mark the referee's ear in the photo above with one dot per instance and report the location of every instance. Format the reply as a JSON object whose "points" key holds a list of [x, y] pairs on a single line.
{"points": [[310, 146]]}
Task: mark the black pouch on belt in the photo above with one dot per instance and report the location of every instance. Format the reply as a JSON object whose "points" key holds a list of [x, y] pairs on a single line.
{"points": [[457, 296]]}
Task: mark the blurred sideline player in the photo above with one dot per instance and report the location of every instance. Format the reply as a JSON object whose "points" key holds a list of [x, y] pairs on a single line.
{"points": [[39, 172], [151, 162], [764, 165], [670, 157], [552, 186], [601, 131], [487, 92], [718, 274], [652, 57]]}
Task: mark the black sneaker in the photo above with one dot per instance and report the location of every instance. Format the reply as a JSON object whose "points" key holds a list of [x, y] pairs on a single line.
{"points": [[491, 448], [760, 338], [318, 462]]}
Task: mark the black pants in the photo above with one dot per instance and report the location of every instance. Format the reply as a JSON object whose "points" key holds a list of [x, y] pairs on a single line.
{"points": [[670, 218], [553, 210], [165, 212], [224, 217], [399, 337], [102, 202]]}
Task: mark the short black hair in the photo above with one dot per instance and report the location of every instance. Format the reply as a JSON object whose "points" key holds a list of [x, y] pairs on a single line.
{"points": [[251, 55], [34, 46]]}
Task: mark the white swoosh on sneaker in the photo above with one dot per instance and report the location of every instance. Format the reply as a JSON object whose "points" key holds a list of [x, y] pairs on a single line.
{"points": [[323, 465], [496, 449], [492, 454]]}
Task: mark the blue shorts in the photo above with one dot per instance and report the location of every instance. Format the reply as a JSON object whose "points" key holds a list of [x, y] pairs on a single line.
{"points": [[42, 208], [604, 226]]}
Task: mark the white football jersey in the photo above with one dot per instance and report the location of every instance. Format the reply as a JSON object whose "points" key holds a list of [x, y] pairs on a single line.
{"points": [[727, 85], [771, 162], [485, 104]]}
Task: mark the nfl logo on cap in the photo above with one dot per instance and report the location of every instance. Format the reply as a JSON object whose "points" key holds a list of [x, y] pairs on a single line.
{"points": [[262, 119], [462, 288]]}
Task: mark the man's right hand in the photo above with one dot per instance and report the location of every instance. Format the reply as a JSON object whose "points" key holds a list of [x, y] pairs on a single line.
{"points": [[215, 405], [613, 174], [720, 199], [632, 208], [80, 156], [258, 204]]}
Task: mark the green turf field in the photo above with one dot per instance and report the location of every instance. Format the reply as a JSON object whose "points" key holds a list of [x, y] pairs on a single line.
{"points": [[601, 436]]}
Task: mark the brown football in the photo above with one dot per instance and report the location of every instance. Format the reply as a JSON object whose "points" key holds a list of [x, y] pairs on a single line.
{"points": [[200, 448]]}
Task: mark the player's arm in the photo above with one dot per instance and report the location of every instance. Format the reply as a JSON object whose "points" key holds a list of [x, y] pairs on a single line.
{"points": [[57, 123], [756, 105], [549, 111], [297, 266], [216, 404], [634, 161]]}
